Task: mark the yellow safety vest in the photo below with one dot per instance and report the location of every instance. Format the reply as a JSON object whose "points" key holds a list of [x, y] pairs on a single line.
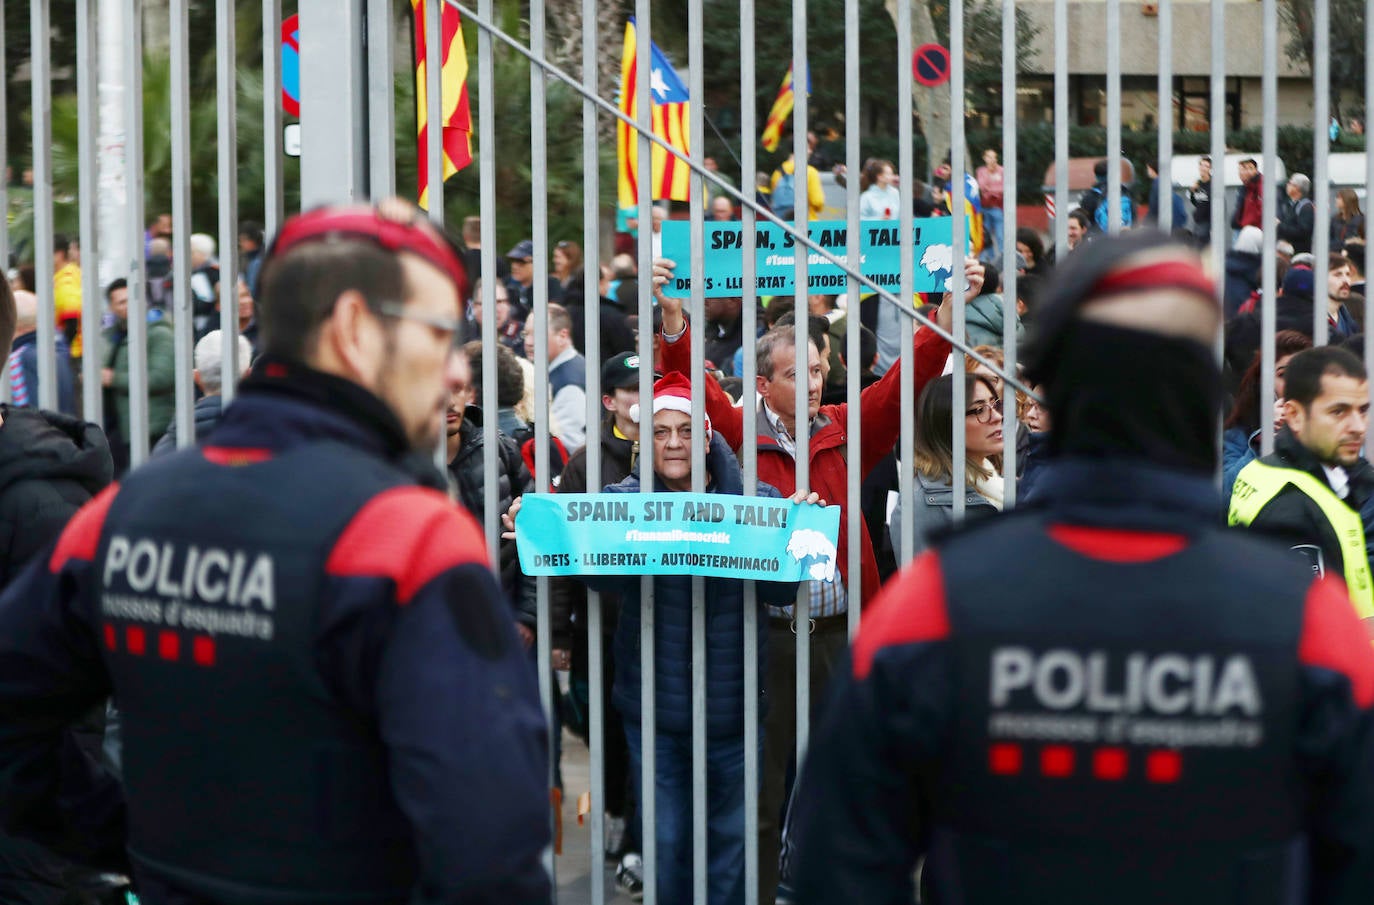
{"points": [[1259, 483]]}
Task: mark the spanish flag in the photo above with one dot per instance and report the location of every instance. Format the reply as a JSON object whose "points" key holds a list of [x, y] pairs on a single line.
{"points": [[457, 119], [777, 117], [671, 108]]}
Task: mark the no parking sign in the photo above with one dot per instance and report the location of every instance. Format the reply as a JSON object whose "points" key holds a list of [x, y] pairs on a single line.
{"points": [[930, 65], [291, 66]]}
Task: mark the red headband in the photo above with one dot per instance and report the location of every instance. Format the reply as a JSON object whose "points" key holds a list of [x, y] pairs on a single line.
{"points": [[418, 237], [1176, 274]]}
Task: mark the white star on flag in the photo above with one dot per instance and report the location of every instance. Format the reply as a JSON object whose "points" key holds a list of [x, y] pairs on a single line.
{"points": [[656, 82]]}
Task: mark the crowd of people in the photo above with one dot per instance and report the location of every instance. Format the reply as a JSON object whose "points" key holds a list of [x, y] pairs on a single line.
{"points": [[357, 330]]}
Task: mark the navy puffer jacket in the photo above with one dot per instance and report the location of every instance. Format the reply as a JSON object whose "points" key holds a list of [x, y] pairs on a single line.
{"points": [[673, 628]]}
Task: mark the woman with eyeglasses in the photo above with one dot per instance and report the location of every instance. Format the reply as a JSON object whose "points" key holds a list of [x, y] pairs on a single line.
{"points": [[934, 458]]}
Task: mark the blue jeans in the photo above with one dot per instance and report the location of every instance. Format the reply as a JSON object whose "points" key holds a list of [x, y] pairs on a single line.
{"points": [[992, 235], [673, 814]]}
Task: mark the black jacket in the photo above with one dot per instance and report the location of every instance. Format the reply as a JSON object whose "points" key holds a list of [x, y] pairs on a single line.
{"points": [[1294, 518], [568, 596], [467, 470], [1295, 225], [50, 464], [207, 413]]}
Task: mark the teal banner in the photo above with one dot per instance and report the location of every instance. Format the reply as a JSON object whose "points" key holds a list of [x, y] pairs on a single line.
{"points": [[880, 256], [714, 534]]}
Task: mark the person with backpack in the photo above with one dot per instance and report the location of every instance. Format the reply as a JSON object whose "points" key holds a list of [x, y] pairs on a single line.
{"points": [[1094, 200], [783, 191]]}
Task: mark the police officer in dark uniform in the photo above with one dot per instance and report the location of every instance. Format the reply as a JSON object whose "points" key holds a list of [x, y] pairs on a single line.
{"points": [[1107, 697], [323, 696]]}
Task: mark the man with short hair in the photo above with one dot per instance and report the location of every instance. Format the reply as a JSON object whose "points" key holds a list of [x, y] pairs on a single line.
{"points": [[1200, 197], [521, 283], [567, 377], [1105, 697], [1296, 219], [250, 253], [1249, 207], [114, 375], [1310, 490], [208, 375], [722, 208], [1340, 277], [1079, 228], [297, 613], [204, 279], [22, 365]]}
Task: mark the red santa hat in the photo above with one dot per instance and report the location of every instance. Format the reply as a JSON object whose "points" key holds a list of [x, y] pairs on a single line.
{"points": [[673, 392]]}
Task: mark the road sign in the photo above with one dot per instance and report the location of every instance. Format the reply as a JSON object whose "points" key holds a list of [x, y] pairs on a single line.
{"points": [[930, 65], [291, 66]]}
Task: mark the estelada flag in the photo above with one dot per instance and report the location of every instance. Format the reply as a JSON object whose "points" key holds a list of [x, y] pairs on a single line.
{"points": [[453, 93], [670, 114], [777, 117]]}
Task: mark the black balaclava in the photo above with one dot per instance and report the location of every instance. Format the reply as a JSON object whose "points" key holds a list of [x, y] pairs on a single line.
{"points": [[1117, 392]]}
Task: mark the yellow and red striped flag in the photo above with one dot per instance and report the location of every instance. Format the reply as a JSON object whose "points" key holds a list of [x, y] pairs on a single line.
{"points": [[671, 106], [777, 117], [457, 118]]}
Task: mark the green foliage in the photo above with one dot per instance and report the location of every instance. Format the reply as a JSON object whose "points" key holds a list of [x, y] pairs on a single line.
{"points": [[1347, 51], [772, 53], [983, 50]]}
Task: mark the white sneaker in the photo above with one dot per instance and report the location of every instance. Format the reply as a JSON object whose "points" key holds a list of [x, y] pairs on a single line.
{"points": [[629, 876]]}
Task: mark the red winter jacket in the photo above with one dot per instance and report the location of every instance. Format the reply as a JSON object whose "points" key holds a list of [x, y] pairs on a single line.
{"points": [[880, 413]]}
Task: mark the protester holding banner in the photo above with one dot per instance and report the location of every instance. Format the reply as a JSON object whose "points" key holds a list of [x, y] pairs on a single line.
{"points": [[673, 447], [774, 423]]}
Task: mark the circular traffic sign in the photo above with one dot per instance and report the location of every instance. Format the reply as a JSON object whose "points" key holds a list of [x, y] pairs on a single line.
{"points": [[291, 66], [930, 65]]}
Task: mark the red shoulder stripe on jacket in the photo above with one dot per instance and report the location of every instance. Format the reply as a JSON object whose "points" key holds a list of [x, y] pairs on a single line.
{"points": [[81, 537], [910, 609], [1117, 545], [1334, 638], [410, 535]]}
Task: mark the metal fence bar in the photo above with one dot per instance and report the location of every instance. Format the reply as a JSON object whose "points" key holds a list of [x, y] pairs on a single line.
{"points": [[40, 70], [182, 322], [87, 114], [434, 106], [273, 202], [1164, 179], [697, 302], [137, 274], [1217, 117], [539, 189], [591, 247], [1270, 92], [226, 87], [1061, 127], [801, 178], [906, 207], [961, 248], [486, 179], [381, 102], [749, 454], [1114, 223], [1320, 193], [647, 662], [854, 450], [1010, 319]]}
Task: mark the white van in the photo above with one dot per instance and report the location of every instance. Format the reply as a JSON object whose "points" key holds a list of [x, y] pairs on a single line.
{"points": [[1184, 169]]}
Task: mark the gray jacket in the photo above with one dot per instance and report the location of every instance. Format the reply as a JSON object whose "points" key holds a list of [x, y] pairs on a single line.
{"points": [[934, 513]]}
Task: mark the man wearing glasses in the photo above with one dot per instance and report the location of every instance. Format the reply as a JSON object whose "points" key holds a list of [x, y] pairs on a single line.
{"points": [[302, 633]]}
